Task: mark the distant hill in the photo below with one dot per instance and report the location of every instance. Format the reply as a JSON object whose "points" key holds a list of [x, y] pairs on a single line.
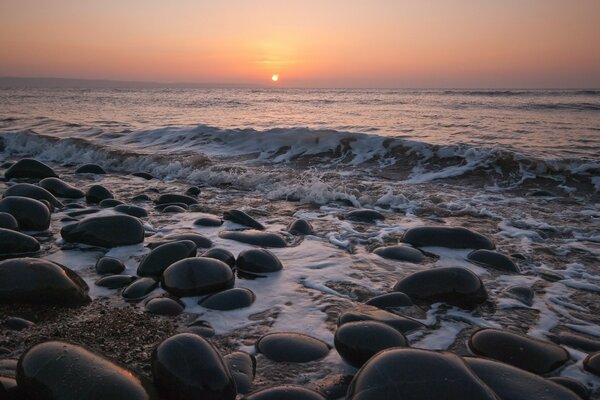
{"points": [[15, 82]]}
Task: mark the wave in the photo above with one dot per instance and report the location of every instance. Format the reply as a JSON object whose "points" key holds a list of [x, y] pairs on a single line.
{"points": [[528, 93]]}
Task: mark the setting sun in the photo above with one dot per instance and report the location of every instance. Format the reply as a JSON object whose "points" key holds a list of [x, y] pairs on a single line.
{"points": [[275, 78]]}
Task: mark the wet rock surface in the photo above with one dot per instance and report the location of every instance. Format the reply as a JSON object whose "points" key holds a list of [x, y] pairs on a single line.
{"points": [[257, 238], [33, 192], [493, 260], [15, 244], [197, 276], [456, 237], [258, 261], [240, 217], [400, 253], [61, 188], [30, 214], [105, 231], [230, 299], [29, 168], [289, 392], [291, 347], [161, 257]]}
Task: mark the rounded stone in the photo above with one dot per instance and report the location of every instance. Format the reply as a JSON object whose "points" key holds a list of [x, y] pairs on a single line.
{"points": [[109, 265], [162, 207], [257, 238], [61, 189], [110, 203], [197, 276], [57, 370], [164, 306], [518, 350], [115, 281], [400, 253], [173, 209], [105, 231], [7, 221], [291, 347], [38, 281], [452, 237], [221, 254], [176, 198], [240, 217], [300, 227], [491, 259], [139, 289], [17, 324], [592, 363], [414, 374], [199, 240], [243, 369], [202, 328], [30, 214], [186, 366], [390, 300], [522, 293], [164, 255], [90, 169], [193, 191], [258, 261], [230, 299], [96, 193], [365, 215], [33, 192], [284, 392], [575, 386], [143, 175], [29, 168], [208, 221], [456, 286], [578, 342], [14, 244], [141, 198], [357, 342], [367, 313], [134, 211]]}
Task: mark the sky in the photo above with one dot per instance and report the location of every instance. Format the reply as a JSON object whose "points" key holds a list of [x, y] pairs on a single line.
{"points": [[323, 43]]}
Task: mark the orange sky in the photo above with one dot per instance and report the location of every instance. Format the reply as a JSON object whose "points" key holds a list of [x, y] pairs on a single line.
{"points": [[324, 43]]}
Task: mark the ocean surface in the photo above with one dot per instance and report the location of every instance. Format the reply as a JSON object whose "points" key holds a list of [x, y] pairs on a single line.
{"points": [[521, 167]]}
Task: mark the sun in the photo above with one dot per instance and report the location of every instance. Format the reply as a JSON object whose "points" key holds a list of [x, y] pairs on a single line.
{"points": [[275, 78]]}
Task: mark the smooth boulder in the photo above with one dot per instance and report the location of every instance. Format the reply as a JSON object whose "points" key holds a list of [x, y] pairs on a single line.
{"points": [[257, 238], [300, 227], [592, 363], [165, 306], [33, 192], [96, 193], [90, 169], [7, 221], [105, 231], [31, 214], [139, 289], [258, 261], [60, 188], [109, 265], [390, 300], [400, 253], [175, 198], [291, 347], [134, 211], [208, 221], [164, 255], [230, 299], [368, 313], [29, 168], [220, 254], [243, 369], [284, 392], [365, 215], [115, 281], [455, 238], [494, 260], [240, 217], [13, 243], [197, 276]]}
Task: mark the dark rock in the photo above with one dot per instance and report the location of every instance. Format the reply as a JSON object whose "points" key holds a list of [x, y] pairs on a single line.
{"points": [[199, 240], [240, 217], [414, 374], [109, 265], [86, 211], [333, 387], [186, 366], [575, 386], [134, 211], [164, 306], [139, 289], [115, 281], [176, 198], [487, 258], [172, 209], [202, 328], [522, 293], [512, 383], [57, 370], [7, 221], [74, 206], [230, 299], [96, 193], [162, 207], [367, 313], [542, 193], [457, 238], [357, 342], [109, 203], [578, 342], [208, 221], [197, 276], [14, 244], [193, 191], [30, 214], [243, 369], [38, 281], [291, 347], [141, 197], [400, 253], [592, 363], [164, 255], [33, 192], [221, 254], [521, 351], [284, 392], [29, 168], [105, 231], [257, 238], [61, 189], [300, 227], [365, 215], [390, 300], [144, 175], [258, 261], [17, 324], [456, 286], [90, 169]]}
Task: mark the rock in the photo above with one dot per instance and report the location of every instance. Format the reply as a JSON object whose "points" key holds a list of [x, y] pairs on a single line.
{"points": [[143, 175], [240, 217], [258, 261], [38, 281], [17, 324], [243, 369], [164, 255], [390, 300], [109, 265], [414, 374], [230, 299], [96, 193], [186, 366], [578, 342], [221, 254], [199, 240], [456, 286], [511, 383], [491, 259], [90, 169], [365, 215], [29, 168], [575, 386], [202, 328], [15, 244], [357, 342], [193, 191], [592, 363], [33, 192], [300, 227], [139, 289], [333, 386], [86, 211], [542, 193], [400, 253], [141, 197], [208, 221], [31, 215], [57, 370], [164, 306], [520, 351], [456, 238], [522, 293], [402, 324], [61, 189], [105, 231], [291, 347], [263, 239], [115, 281], [110, 203], [176, 198], [197, 276], [284, 392], [134, 211], [162, 207], [7, 221], [173, 209]]}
